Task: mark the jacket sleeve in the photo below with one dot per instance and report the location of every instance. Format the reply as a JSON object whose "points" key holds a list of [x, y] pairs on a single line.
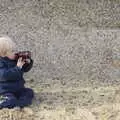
{"points": [[27, 66], [10, 74]]}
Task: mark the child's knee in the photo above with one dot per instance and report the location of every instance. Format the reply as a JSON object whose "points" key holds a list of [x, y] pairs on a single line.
{"points": [[26, 97], [27, 92]]}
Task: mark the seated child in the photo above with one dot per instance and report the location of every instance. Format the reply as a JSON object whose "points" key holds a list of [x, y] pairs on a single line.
{"points": [[12, 90]]}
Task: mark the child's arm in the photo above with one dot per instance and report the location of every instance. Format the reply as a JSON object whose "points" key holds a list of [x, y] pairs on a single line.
{"points": [[9, 74], [27, 66]]}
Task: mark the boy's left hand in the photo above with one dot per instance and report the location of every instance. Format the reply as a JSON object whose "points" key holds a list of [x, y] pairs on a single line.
{"points": [[20, 62]]}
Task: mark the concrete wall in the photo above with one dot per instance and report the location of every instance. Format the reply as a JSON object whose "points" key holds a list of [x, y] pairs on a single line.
{"points": [[72, 41]]}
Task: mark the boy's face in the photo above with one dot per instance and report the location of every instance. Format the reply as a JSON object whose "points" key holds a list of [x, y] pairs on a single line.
{"points": [[11, 55]]}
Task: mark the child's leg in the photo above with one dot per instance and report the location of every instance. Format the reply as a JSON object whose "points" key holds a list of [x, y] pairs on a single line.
{"points": [[25, 97], [8, 100]]}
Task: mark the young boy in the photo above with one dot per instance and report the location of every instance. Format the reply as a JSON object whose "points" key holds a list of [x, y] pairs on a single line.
{"points": [[12, 90]]}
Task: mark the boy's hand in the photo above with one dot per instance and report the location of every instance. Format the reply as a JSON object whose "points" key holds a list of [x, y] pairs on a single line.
{"points": [[20, 62]]}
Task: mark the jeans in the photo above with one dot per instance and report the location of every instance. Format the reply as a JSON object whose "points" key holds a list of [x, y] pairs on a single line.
{"points": [[19, 99]]}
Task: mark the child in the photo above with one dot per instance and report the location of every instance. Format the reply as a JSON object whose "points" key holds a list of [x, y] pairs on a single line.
{"points": [[12, 90]]}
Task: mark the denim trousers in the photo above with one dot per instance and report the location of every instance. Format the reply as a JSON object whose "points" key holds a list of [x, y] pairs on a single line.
{"points": [[19, 99]]}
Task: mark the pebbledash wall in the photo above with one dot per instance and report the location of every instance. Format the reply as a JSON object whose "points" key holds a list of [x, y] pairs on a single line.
{"points": [[72, 41]]}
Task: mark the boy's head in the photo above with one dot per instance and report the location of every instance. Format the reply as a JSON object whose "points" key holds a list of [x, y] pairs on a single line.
{"points": [[6, 46]]}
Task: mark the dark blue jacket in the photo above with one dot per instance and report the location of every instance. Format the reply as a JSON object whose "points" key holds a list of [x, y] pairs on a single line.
{"points": [[11, 76]]}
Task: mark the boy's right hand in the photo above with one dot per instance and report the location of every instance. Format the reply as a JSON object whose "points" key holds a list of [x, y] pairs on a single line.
{"points": [[20, 62]]}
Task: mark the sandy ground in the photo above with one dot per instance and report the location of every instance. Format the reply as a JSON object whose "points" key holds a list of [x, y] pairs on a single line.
{"points": [[92, 103], [98, 103]]}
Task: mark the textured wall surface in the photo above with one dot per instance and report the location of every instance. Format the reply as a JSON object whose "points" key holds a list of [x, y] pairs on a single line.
{"points": [[72, 41]]}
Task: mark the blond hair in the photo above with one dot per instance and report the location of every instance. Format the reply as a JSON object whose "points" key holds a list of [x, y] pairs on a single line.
{"points": [[6, 46]]}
